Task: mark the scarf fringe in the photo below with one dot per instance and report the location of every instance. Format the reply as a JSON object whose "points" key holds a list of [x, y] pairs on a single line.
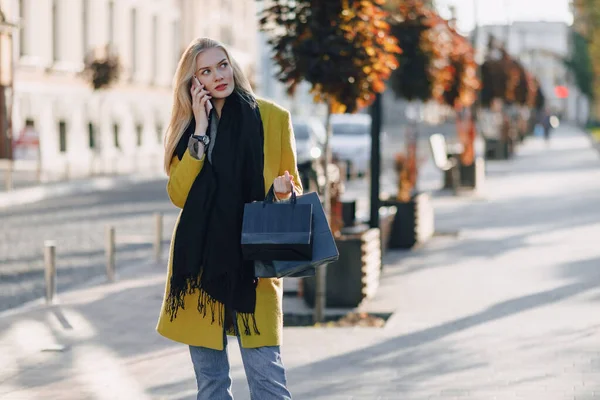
{"points": [[176, 300], [205, 302], [246, 317]]}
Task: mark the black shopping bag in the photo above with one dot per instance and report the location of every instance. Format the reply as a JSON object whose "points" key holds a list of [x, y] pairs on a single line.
{"points": [[266, 269], [277, 231], [324, 249]]}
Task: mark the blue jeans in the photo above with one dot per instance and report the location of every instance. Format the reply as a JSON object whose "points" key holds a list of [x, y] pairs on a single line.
{"points": [[264, 371]]}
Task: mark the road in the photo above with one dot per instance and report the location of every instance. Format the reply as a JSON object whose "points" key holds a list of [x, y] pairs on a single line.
{"points": [[77, 225]]}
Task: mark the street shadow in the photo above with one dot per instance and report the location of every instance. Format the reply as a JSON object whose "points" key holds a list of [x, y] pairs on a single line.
{"points": [[109, 318], [540, 212], [397, 350], [445, 250], [184, 386]]}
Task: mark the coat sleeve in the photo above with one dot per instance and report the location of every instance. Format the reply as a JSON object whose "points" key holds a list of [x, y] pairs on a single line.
{"points": [[288, 152], [181, 177]]}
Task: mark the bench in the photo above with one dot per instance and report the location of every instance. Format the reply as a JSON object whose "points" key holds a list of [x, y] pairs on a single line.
{"points": [[443, 160]]}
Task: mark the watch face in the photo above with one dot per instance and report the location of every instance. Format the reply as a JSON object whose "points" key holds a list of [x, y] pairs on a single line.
{"points": [[204, 139]]}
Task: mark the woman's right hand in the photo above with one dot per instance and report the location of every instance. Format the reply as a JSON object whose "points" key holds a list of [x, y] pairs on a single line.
{"points": [[201, 104]]}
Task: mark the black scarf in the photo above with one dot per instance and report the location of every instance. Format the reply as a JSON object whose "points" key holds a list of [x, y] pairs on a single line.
{"points": [[207, 253]]}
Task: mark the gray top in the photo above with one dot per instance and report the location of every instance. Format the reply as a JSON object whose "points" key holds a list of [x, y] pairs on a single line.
{"points": [[214, 124], [193, 143]]}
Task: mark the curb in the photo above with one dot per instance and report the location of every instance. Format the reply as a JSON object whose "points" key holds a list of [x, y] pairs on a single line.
{"points": [[34, 194]]}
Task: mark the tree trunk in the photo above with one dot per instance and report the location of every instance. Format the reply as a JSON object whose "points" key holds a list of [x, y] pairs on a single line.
{"points": [[375, 160], [321, 275]]}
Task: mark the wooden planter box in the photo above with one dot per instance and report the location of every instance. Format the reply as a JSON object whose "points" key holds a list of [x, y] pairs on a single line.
{"points": [[413, 222], [355, 276], [471, 176], [386, 222], [498, 149]]}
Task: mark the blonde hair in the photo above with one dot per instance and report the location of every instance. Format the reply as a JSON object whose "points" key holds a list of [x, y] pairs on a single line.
{"points": [[181, 113]]}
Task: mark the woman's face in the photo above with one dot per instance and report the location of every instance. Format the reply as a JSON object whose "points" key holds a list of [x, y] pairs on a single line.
{"points": [[215, 73]]}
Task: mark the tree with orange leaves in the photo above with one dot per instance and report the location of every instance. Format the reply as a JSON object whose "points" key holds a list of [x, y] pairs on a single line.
{"points": [[461, 92], [423, 70], [343, 49], [420, 76], [412, 80], [462, 88]]}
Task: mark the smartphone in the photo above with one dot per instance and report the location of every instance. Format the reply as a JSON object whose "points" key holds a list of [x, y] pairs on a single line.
{"points": [[194, 77]]}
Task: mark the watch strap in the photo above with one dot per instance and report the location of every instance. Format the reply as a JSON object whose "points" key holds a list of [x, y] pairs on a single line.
{"points": [[204, 139]]}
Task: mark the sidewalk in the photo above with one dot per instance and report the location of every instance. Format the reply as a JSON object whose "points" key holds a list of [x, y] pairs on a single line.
{"points": [[503, 304]]}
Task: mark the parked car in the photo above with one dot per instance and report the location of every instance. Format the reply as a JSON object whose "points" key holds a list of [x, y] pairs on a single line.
{"points": [[310, 147], [351, 141], [310, 138]]}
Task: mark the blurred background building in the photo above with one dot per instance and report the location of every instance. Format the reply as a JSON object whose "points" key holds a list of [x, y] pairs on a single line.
{"points": [[542, 47], [43, 45], [119, 129]]}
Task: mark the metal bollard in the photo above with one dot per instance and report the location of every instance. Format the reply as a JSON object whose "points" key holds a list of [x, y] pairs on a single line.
{"points": [[67, 171], [320, 295], [110, 253], [38, 168], [9, 176], [50, 270], [158, 236]]}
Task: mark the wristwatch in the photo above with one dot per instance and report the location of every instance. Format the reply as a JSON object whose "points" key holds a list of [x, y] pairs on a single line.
{"points": [[204, 139]]}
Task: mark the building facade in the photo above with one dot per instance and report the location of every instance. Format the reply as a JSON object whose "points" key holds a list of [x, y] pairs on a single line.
{"points": [[119, 129], [7, 34]]}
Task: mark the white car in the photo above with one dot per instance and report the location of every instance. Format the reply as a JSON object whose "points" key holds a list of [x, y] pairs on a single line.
{"points": [[310, 138], [351, 141]]}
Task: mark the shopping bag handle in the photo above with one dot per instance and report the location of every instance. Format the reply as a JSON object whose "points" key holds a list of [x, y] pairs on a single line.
{"points": [[270, 197]]}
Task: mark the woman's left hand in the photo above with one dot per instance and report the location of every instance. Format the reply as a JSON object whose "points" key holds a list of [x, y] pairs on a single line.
{"points": [[282, 185]]}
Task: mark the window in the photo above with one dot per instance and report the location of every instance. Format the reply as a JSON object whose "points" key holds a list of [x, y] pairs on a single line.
{"points": [[85, 20], [92, 135], [116, 136], [176, 44], [154, 61], [62, 136], [134, 63], [159, 132], [111, 23], [55, 31], [23, 39], [139, 132], [226, 34]]}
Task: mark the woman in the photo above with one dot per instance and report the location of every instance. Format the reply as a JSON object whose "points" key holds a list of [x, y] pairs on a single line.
{"points": [[223, 148]]}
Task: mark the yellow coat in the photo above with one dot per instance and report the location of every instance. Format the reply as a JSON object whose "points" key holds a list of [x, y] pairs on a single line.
{"points": [[189, 327]]}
